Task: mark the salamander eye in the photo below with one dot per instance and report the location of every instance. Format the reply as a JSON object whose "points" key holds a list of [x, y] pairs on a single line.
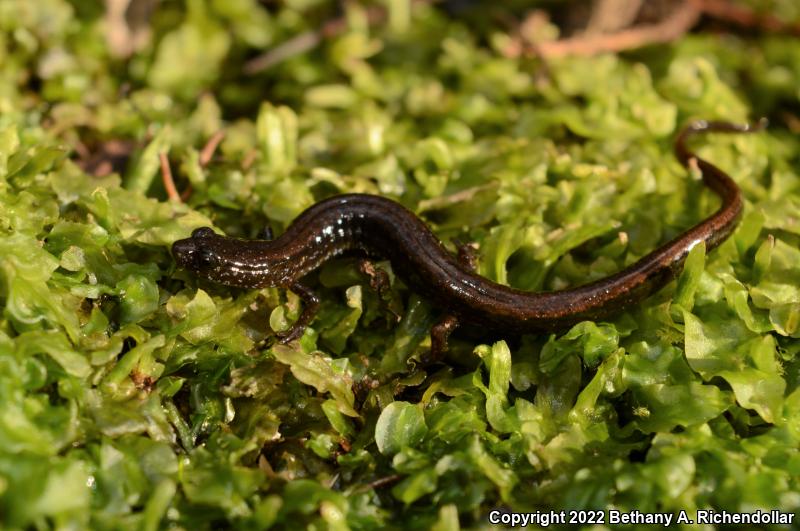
{"points": [[202, 232], [205, 258]]}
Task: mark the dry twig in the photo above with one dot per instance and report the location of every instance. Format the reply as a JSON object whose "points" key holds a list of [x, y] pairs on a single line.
{"points": [[210, 147], [205, 157], [743, 16], [127, 25], [166, 177], [679, 22], [379, 483]]}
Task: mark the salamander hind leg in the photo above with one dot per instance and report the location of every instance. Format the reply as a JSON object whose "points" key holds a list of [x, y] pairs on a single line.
{"points": [[310, 308]]}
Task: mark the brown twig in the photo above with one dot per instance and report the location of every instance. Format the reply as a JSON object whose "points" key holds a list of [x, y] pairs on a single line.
{"points": [[127, 25], [81, 149], [679, 22], [187, 193], [211, 146], [379, 483], [295, 46], [166, 177], [205, 157], [743, 16], [249, 159]]}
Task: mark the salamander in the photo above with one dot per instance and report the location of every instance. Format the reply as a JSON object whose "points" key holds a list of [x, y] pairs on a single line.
{"points": [[379, 227]]}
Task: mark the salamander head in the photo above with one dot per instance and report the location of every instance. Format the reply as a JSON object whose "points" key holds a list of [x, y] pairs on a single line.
{"points": [[195, 253], [221, 259]]}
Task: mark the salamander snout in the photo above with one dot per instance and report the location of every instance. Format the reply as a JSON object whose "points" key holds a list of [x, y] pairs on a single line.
{"points": [[183, 251]]}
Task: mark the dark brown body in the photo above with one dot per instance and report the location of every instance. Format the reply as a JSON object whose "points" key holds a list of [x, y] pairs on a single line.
{"points": [[383, 228]]}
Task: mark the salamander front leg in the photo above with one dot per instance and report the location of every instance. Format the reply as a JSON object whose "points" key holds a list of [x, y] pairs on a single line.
{"points": [[310, 307], [265, 233], [440, 332], [467, 255]]}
